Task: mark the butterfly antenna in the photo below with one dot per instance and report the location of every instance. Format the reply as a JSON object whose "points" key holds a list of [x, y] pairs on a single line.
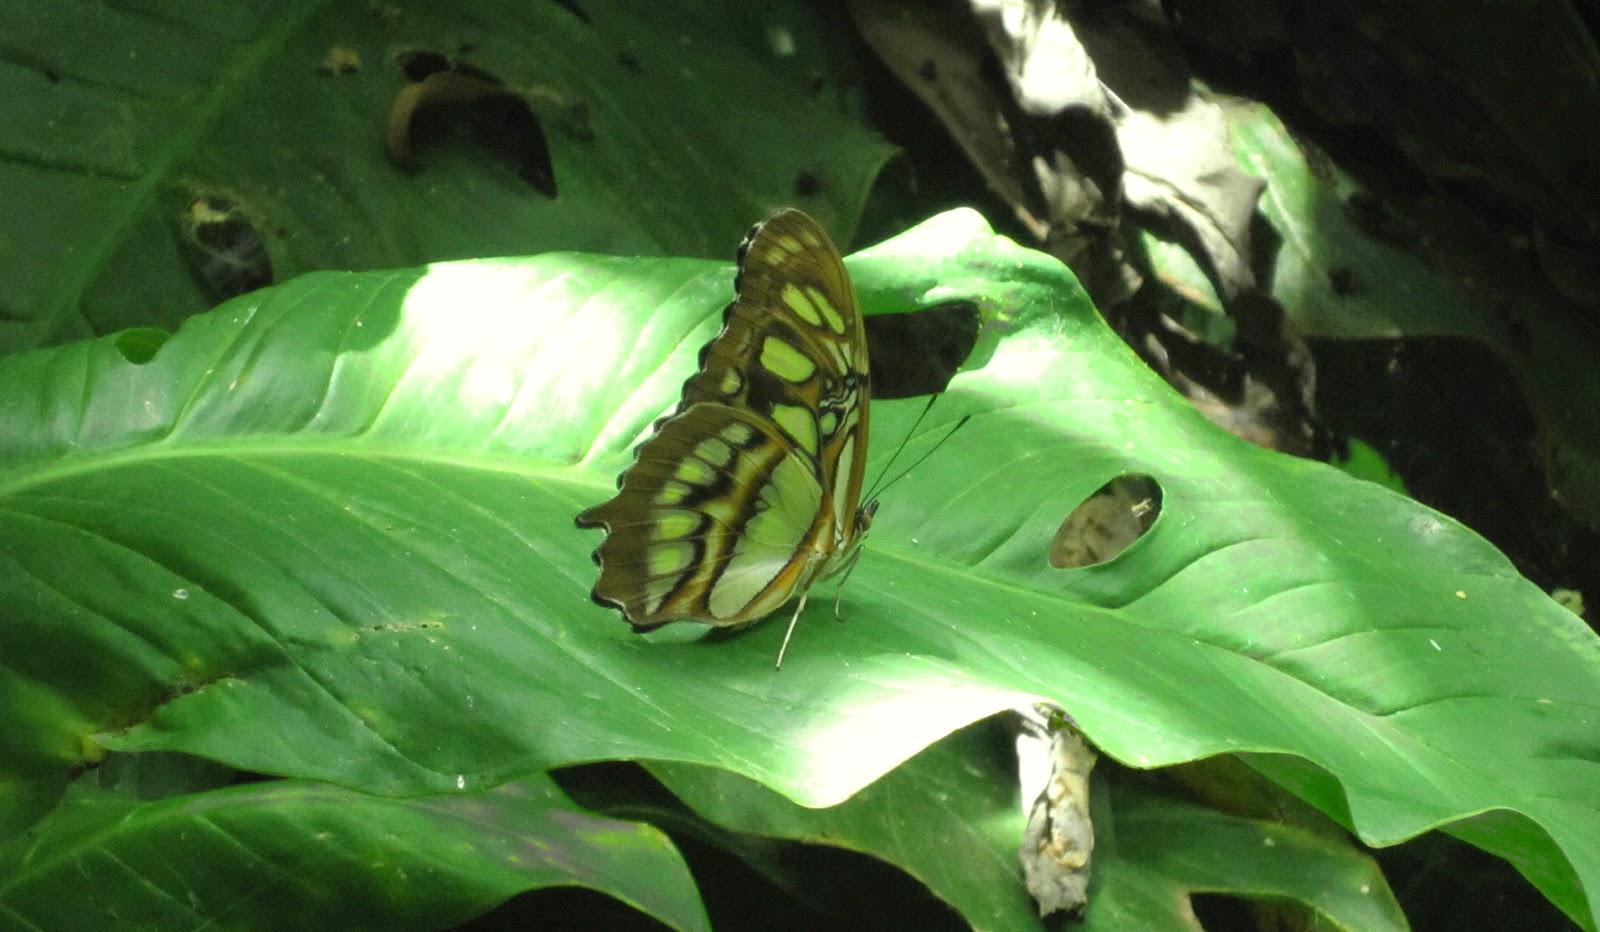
{"points": [[901, 448], [879, 490]]}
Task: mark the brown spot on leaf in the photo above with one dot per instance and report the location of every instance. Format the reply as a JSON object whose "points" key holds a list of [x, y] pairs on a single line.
{"points": [[340, 60]]}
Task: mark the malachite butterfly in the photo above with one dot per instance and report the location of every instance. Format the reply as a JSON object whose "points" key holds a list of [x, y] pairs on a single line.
{"points": [[749, 491]]}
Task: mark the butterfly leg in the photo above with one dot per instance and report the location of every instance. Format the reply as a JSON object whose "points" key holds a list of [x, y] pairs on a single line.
{"points": [[796, 617]]}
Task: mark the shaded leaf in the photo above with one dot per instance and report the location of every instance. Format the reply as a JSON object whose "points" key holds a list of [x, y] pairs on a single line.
{"points": [[670, 129], [1398, 283], [1164, 850], [292, 853], [951, 817]]}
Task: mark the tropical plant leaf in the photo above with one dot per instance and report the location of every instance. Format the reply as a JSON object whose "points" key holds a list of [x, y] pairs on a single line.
{"points": [[325, 532], [291, 853], [951, 818], [1165, 849], [669, 128]]}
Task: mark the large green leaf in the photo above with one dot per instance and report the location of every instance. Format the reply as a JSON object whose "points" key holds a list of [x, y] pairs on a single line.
{"points": [[326, 532], [293, 854], [670, 126]]}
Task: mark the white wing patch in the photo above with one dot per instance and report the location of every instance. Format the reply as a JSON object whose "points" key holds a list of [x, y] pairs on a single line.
{"points": [[785, 510]]}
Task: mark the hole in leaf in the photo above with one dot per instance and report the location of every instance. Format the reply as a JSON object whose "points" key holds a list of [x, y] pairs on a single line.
{"points": [[1107, 522], [449, 101], [563, 908], [1221, 912], [918, 352], [225, 247], [139, 345], [807, 184], [572, 7], [420, 64]]}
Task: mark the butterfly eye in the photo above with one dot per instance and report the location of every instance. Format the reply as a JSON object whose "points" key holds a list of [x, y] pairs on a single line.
{"points": [[864, 516]]}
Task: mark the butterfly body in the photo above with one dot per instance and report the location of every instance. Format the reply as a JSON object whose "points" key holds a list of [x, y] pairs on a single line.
{"points": [[749, 491]]}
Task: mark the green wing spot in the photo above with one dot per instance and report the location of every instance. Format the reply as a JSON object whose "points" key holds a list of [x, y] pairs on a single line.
{"points": [[826, 308], [714, 451], [672, 492], [694, 472], [670, 559], [671, 525], [803, 304], [799, 424], [786, 362]]}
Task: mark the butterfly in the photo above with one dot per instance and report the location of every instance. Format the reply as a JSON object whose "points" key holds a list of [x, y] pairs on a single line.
{"points": [[749, 491]]}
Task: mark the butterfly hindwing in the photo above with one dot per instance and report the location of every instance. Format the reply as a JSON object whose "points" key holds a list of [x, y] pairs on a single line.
{"points": [[708, 525], [750, 489]]}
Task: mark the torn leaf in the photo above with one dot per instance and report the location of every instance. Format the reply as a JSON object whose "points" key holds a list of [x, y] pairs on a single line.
{"points": [[448, 98], [224, 246]]}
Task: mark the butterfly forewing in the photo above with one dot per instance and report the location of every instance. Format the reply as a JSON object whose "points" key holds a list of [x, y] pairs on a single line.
{"points": [[750, 490]]}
